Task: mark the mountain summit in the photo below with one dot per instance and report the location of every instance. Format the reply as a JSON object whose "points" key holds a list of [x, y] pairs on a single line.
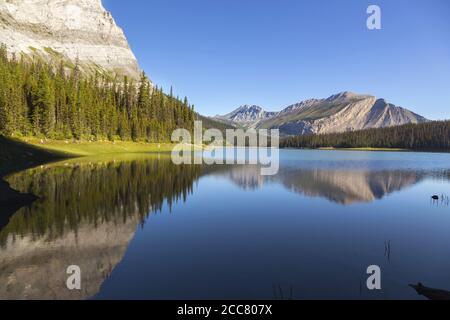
{"points": [[73, 29], [345, 111], [247, 115]]}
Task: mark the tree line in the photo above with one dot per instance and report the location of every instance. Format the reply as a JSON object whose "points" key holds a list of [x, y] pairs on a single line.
{"points": [[39, 99], [78, 193], [433, 135]]}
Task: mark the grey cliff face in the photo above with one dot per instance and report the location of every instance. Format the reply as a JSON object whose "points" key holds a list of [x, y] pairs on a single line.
{"points": [[74, 29]]}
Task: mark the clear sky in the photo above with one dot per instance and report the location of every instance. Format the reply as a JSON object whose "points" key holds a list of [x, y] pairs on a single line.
{"points": [[272, 53]]}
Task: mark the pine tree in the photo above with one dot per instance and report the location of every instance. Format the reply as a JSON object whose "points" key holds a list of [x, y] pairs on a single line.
{"points": [[38, 99], [44, 105]]}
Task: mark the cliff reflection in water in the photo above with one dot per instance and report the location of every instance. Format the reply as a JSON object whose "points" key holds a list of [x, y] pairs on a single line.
{"points": [[348, 186], [86, 215], [88, 211], [344, 187]]}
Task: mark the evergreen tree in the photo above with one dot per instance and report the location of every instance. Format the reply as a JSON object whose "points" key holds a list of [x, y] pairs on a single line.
{"points": [[57, 102], [433, 135]]}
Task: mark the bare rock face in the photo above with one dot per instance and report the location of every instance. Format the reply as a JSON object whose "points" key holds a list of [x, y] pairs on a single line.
{"points": [[247, 115], [341, 112], [74, 29], [359, 113]]}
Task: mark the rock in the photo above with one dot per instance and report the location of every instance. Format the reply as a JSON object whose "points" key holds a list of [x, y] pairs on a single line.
{"points": [[341, 112], [73, 29], [247, 115]]}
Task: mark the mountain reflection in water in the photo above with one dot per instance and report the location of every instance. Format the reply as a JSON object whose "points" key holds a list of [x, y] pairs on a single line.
{"points": [[87, 214], [88, 211], [340, 186]]}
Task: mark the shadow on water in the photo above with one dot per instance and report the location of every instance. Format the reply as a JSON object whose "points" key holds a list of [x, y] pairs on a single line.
{"points": [[11, 201], [16, 156]]}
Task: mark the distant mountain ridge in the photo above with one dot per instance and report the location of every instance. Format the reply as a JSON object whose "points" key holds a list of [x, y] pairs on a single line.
{"points": [[342, 112], [247, 115]]}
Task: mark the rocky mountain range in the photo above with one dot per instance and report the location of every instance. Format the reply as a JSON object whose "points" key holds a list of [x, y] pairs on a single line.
{"points": [[77, 30], [83, 31], [341, 112]]}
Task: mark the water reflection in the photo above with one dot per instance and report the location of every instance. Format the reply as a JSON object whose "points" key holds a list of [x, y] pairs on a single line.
{"points": [[87, 214], [88, 211], [340, 186]]}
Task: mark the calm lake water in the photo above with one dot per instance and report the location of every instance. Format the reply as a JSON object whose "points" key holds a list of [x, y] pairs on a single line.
{"points": [[141, 227]]}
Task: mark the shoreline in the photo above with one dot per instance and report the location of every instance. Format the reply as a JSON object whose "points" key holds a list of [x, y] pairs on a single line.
{"points": [[365, 149], [17, 154], [82, 148], [371, 149], [11, 201]]}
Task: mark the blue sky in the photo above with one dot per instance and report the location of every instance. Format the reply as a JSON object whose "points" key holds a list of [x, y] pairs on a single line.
{"points": [[225, 53]]}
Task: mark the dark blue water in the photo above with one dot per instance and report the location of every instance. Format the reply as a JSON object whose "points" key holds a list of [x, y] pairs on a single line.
{"points": [[226, 232]]}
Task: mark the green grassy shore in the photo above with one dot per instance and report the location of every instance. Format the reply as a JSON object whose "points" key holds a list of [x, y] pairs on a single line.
{"points": [[91, 148], [20, 154], [16, 155]]}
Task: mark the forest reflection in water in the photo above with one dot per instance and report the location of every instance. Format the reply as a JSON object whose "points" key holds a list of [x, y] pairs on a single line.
{"points": [[88, 211]]}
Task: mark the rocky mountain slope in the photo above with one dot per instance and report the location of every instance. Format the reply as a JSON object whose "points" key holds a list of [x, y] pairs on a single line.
{"points": [[74, 29], [246, 115], [342, 112]]}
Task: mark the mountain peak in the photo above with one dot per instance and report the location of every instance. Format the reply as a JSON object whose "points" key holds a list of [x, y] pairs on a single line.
{"points": [[247, 114], [250, 108], [345, 95], [345, 111]]}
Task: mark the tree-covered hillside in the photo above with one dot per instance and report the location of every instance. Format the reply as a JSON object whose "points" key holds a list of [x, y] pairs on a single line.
{"points": [[425, 136], [39, 99]]}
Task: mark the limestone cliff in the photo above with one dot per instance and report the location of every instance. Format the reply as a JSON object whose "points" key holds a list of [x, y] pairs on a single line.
{"points": [[73, 29]]}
